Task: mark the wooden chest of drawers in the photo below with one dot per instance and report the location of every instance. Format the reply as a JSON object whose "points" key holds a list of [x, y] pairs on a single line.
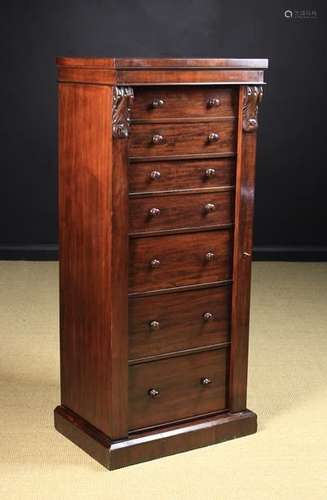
{"points": [[156, 188]]}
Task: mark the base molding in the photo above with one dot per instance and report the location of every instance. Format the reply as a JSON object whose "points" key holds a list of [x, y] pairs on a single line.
{"points": [[153, 444]]}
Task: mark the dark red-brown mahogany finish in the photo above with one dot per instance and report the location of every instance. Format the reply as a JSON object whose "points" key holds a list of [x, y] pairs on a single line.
{"points": [[156, 191]]}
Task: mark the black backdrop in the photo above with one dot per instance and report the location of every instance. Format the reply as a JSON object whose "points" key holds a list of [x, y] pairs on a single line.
{"points": [[291, 161]]}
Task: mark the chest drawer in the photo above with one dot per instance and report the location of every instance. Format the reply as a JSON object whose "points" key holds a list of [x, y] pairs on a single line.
{"points": [[183, 259], [180, 174], [178, 102], [176, 388], [151, 140], [181, 211], [166, 323]]}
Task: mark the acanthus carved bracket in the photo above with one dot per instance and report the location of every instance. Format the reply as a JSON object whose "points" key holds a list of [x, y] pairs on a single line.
{"points": [[122, 101], [252, 98]]}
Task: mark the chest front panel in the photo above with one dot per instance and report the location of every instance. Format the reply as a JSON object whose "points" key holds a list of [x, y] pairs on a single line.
{"points": [[181, 181]]}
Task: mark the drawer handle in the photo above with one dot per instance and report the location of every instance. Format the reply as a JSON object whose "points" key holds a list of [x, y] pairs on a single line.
{"points": [[154, 211], [213, 137], [153, 393], [154, 325], [155, 175], [158, 139], [213, 102], [208, 316], [210, 172], [206, 381], [155, 263], [209, 207], [158, 103], [210, 256]]}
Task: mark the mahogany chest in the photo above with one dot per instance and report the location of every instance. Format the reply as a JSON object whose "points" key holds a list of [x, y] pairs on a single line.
{"points": [[156, 190]]}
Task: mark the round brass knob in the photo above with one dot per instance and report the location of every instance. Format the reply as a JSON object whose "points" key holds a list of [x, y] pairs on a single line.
{"points": [[213, 137], [155, 263], [208, 316], [158, 139], [158, 103], [210, 256], [206, 381], [209, 207], [213, 102], [210, 172], [154, 211], [154, 325], [155, 175], [153, 393]]}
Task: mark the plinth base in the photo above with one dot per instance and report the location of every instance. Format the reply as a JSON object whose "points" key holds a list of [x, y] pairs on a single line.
{"points": [[143, 446]]}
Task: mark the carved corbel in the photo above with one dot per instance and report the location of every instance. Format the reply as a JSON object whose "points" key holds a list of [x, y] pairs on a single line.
{"points": [[252, 98], [122, 101]]}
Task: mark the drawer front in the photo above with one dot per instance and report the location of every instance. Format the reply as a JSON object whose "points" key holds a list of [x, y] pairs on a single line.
{"points": [[176, 388], [178, 260], [166, 323], [181, 211], [162, 102], [150, 140], [144, 177]]}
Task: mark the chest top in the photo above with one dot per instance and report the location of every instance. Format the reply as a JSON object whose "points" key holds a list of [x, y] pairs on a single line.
{"points": [[161, 71]]}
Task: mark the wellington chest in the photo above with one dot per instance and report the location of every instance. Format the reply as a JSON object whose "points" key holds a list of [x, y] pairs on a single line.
{"points": [[156, 191]]}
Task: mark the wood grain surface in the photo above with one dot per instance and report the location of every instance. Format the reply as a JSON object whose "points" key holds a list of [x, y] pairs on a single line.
{"points": [[183, 102], [180, 326], [181, 393], [186, 211], [180, 174], [186, 138], [182, 260]]}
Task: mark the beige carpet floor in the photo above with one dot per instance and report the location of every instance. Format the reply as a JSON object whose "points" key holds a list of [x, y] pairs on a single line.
{"points": [[286, 459]]}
